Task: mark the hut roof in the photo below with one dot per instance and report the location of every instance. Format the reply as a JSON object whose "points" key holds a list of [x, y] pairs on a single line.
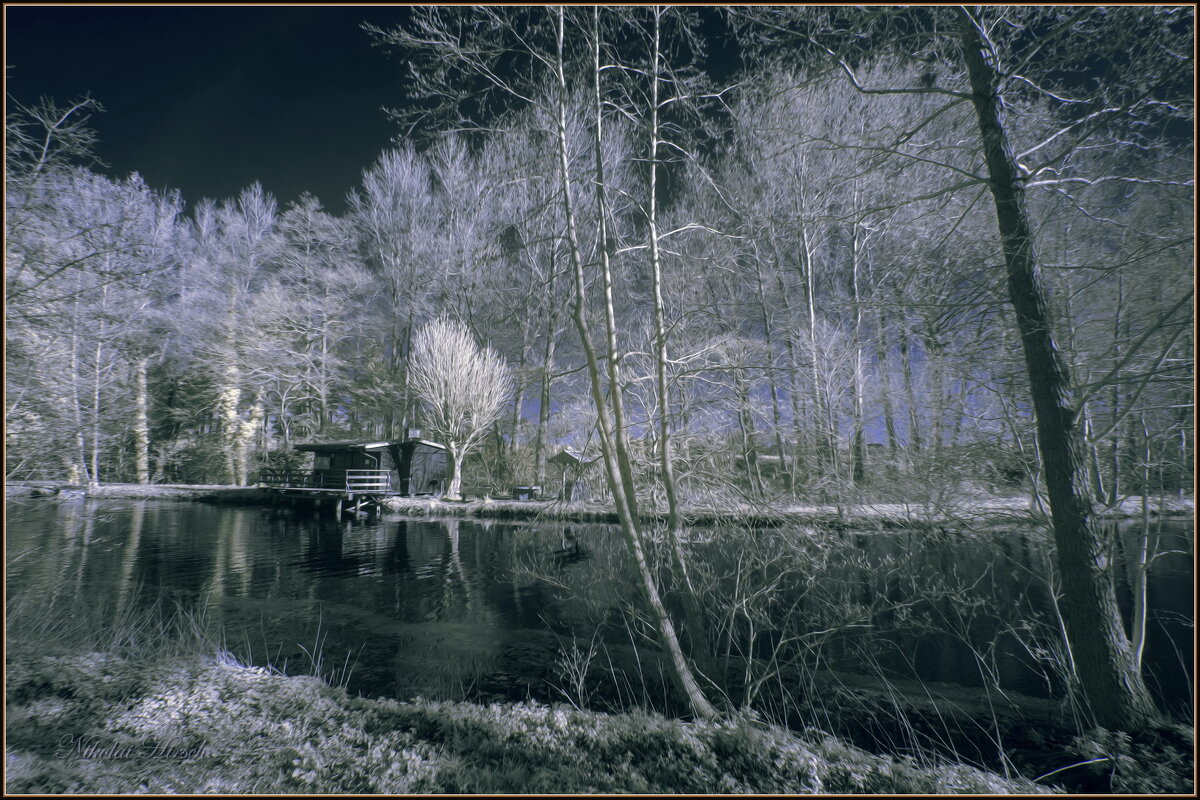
{"points": [[572, 457], [336, 447], [416, 440]]}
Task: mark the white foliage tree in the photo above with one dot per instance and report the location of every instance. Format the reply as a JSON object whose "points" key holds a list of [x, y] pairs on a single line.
{"points": [[462, 387]]}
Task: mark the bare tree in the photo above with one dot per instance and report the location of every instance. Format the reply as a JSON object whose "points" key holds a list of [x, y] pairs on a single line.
{"points": [[462, 388], [464, 64], [395, 216], [85, 258], [1108, 670], [998, 65]]}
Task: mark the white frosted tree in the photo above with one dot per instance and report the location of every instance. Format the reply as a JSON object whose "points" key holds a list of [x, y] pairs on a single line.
{"points": [[462, 387]]}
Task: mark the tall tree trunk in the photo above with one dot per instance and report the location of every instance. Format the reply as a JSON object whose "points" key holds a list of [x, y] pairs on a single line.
{"points": [[1141, 566], [682, 671], [407, 419], [1093, 448], [935, 370], [229, 396], [769, 337], [910, 395], [396, 418], [250, 432], [823, 434], [78, 469], [858, 437], [323, 386], [885, 384], [695, 621], [795, 395], [96, 411], [1095, 475], [543, 428], [674, 523], [509, 453], [1115, 483], [1107, 670], [747, 431], [141, 420]]}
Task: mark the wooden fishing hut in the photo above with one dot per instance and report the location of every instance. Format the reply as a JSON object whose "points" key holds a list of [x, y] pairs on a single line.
{"points": [[355, 475], [574, 464]]}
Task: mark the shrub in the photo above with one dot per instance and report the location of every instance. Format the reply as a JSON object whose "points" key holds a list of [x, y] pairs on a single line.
{"points": [[253, 731], [1157, 761]]}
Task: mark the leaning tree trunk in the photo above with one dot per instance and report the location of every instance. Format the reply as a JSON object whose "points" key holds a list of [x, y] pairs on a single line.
{"points": [[609, 420], [622, 461], [696, 624], [1104, 661]]}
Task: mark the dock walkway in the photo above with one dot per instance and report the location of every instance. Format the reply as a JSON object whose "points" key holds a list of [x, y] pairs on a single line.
{"points": [[351, 490]]}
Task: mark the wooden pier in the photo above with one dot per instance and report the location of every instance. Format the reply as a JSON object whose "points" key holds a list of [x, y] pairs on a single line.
{"points": [[351, 490], [352, 476]]}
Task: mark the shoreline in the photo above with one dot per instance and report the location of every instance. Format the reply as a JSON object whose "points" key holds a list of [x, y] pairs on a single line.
{"points": [[981, 510]]}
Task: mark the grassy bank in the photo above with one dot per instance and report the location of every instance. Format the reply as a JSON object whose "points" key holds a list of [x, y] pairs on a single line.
{"points": [[97, 722]]}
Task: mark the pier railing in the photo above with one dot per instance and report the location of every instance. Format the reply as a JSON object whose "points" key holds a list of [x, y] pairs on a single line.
{"points": [[364, 481], [368, 480]]}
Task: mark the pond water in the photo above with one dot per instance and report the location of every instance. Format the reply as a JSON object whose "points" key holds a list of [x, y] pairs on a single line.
{"points": [[507, 611]]}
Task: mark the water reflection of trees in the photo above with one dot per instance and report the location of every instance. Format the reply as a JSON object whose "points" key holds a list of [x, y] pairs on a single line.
{"points": [[793, 610], [460, 597], [230, 575], [126, 576], [792, 606], [584, 567], [795, 615], [607, 653]]}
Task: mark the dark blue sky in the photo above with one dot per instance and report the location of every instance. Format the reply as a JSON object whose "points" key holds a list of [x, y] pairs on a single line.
{"points": [[209, 99]]}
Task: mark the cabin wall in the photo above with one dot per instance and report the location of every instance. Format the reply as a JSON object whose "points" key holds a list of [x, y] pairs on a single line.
{"points": [[388, 461], [415, 467], [338, 461], [423, 469], [344, 459]]}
